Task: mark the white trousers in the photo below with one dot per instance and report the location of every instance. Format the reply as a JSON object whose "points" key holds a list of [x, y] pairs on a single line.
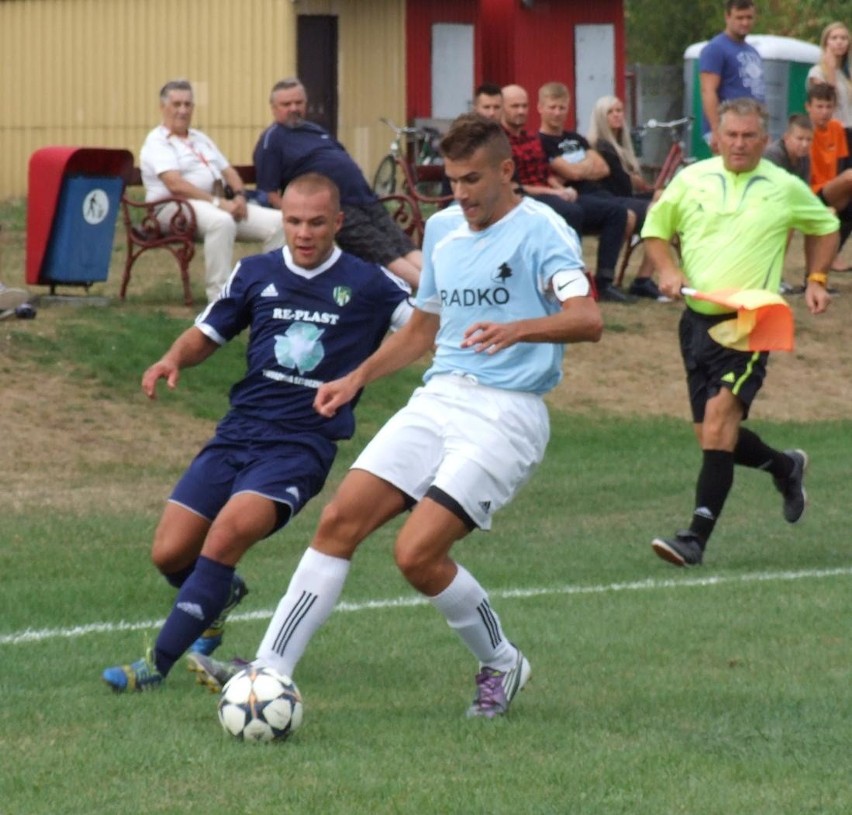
{"points": [[219, 231]]}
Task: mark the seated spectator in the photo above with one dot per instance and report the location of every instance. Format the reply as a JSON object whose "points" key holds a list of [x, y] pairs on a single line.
{"points": [[177, 160], [829, 150], [292, 146], [488, 101], [611, 140], [608, 135], [793, 150], [534, 177], [834, 69]]}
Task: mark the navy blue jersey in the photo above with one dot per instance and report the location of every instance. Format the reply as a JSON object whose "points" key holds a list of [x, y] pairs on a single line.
{"points": [[306, 327], [284, 153]]}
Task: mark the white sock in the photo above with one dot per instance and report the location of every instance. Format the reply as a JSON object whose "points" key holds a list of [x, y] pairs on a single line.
{"points": [[465, 605], [311, 596]]}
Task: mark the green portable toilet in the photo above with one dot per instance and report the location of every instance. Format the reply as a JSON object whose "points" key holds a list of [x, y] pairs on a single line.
{"points": [[786, 63]]}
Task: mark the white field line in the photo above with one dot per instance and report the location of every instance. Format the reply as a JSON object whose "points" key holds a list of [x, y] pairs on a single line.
{"points": [[39, 635]]}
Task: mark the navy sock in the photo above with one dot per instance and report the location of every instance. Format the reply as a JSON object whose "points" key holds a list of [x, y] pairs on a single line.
{"points": [[752, 451], [200, 601], [714, 483], [178, 578]]}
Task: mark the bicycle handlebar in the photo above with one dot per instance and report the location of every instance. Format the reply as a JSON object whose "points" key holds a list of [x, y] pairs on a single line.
{"points": [[652, 123], [400, 130]]}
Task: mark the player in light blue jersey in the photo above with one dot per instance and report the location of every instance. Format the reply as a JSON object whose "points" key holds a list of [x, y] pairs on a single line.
{"points": [[503, 288], [314, 313]]}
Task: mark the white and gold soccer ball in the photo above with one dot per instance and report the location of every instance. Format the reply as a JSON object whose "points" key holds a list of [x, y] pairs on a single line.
{"points": [[259, 704]]}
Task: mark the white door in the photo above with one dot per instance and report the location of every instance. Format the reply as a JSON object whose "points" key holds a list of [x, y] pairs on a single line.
{"points": [[594, 69], [452, 69]]}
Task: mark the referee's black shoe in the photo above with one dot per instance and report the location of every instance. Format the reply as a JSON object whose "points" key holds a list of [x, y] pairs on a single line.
{"points": [[684, 549], [792, 487]]}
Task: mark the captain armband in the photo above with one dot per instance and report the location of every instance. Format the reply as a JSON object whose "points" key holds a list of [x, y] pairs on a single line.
{"points": [[570, 283]]}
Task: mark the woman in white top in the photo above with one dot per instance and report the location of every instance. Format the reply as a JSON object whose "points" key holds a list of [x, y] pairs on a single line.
{"points": [[833, 68]]}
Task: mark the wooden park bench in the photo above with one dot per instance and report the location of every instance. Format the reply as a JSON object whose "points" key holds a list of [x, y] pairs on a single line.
{"points": [[144, 232]]}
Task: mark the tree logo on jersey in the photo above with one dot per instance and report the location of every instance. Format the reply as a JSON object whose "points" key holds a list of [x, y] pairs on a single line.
{"points": [[342, 295], [300, 347], [503, 273]]}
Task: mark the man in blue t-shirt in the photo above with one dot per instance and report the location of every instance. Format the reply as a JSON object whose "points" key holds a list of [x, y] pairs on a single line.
{"points": [[313, 313], [730, 68], [292, 146]]}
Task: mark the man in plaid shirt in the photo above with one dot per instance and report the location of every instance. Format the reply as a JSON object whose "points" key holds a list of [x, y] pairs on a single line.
{"points": [[585, 214]]}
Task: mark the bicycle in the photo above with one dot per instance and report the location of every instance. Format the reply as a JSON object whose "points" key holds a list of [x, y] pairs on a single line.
{"points": [[412, 155], [676, 158]]}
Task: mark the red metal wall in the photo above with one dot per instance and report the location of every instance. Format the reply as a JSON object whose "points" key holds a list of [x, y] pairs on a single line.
{"points": [[513, 43]]}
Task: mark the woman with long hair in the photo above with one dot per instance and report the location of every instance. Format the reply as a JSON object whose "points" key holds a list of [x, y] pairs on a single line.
{"points": [[833, 69], [608, 135]]}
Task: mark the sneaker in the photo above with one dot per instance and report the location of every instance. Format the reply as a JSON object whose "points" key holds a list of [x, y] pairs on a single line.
{"points": [[646, 287], [609, 292], [11, 300], [210, 672], [792, 487], [211, 639], [140, 675], [684, 549], [496, 689]]}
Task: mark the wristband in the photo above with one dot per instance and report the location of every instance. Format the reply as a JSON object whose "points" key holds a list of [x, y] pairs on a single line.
{"points": [[241, 193], [215, 201], [818, 277]]}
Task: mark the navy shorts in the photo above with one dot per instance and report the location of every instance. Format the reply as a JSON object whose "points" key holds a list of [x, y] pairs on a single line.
{"points": [[371, 234], [711, 367], [289, 473]]}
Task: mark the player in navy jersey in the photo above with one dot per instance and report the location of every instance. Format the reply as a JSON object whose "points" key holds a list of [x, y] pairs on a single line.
{"points": [[314, 313], [503, 288]]}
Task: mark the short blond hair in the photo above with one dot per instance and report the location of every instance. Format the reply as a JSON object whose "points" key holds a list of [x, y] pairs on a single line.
{"points": [[554, 90]]}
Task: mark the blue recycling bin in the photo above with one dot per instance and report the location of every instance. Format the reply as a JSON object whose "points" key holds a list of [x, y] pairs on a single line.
{"points": [[72, 206], [81, 241]]}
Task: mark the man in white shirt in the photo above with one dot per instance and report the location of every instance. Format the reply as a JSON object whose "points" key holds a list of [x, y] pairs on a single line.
{"points": [[177, 160]]}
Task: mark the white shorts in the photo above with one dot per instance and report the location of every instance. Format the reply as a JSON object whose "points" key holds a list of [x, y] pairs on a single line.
{"points": [[477, 444]]}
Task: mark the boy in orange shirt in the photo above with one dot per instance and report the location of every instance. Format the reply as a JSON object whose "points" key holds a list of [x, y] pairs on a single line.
{"points": [[828, 150]]}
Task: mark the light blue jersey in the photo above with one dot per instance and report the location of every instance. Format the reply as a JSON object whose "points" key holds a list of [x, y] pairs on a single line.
{"points": [[500, 274]]}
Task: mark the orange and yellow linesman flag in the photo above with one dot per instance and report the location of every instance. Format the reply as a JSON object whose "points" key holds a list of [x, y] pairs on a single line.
{"points": [[764, 320]]}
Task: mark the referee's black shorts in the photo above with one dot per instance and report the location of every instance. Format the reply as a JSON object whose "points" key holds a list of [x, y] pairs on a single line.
{"points": [[711, 367]]}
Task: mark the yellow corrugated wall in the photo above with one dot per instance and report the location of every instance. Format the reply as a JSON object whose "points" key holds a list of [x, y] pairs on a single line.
{"points": [[87, 72]]}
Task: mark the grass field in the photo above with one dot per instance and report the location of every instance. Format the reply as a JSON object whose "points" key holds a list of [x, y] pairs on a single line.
{"points": [[725, 689]]}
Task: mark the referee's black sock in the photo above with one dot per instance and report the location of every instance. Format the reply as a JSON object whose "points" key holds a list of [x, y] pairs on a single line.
{"points": [[714, 483], [751, 451]]}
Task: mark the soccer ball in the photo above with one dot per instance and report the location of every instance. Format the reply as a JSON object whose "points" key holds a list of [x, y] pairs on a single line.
{"points": [[259, 704]]}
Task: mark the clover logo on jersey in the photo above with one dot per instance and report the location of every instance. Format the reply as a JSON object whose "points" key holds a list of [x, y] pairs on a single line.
{"points": [[300, 347], [342, 295]]}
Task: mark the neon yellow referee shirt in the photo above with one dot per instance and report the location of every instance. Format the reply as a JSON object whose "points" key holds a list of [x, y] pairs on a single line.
{"points": [[733, 226]]}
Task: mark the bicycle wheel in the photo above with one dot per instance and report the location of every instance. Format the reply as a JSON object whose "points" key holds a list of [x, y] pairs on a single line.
{"points": [[384, 181]]}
